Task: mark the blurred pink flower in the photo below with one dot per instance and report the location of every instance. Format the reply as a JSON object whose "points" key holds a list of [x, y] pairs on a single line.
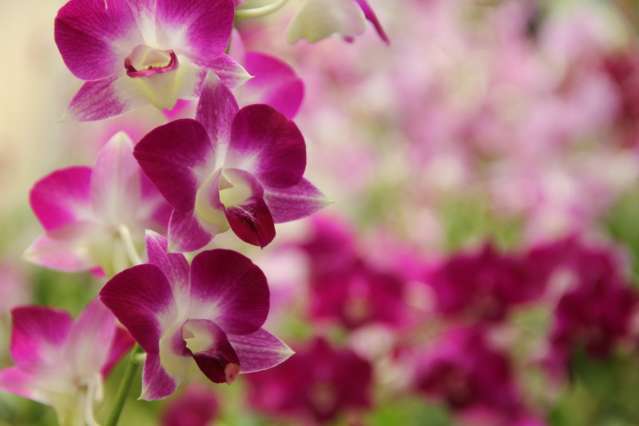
{"points": [[318, 384], [197, 406]]}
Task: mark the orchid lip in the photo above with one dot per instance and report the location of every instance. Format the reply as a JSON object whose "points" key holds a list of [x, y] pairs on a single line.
{"points": [[145, 62]]}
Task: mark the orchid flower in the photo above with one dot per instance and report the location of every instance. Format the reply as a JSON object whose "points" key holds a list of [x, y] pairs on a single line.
{"points": [[234, 168], [319, 384], [207, 314], [320, 19], [61, 362], [136, 52], [96, 217]]}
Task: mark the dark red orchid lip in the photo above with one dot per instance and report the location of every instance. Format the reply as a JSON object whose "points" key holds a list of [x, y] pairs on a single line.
{"points": [[132, 72]]}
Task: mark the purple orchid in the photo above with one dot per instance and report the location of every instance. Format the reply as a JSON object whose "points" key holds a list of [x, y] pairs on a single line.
{"points": [[237, 168], [61, 362], [471, 376], [318, 384], [210, 314], [195, 407], [94, 217], [135, 52], [485, 285], [319, 19], [597, 310]]}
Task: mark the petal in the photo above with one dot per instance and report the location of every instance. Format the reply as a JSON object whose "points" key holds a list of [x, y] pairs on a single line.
{"points": [[59, 254], [171, 156], [138, 297], [90, 339], [319, 19], [370, 15], [231, 73], [228, 289], [295, 202], [245, 209], [274, 83], [156, 383], [211, 350], [87, 32], [37, 335], [185, 232], [174, 266], [62, 198], [116, 181], [216, 110], [100, 99], [203, 25], [121, 344], [21, 383], [265, 143], [259, 351]]}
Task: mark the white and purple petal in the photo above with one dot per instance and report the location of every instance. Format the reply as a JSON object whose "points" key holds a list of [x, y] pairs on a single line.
{"points": [[36, 334], [211, 350], [100, 99], [62, 198], [186, 234], [173, 156], [230, 290], [295, 202], [259, 351], [268, 145], [216, 110]]}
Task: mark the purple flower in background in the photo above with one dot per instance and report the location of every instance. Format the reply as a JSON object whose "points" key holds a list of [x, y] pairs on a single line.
{"points": [[470, 376], [319, 19], [484, 285], [237, 168], [344, 286], [136, 52], [195, 407], [94, 217], [318, 384], [209, 313], [61, 362], [596, 312]]}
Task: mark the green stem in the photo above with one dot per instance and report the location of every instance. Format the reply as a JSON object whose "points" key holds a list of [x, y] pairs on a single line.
{"points": [[258, 12], [123, 389]]}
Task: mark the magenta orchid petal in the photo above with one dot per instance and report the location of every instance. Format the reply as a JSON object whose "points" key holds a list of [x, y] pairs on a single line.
{"points": [[245, 208], [185, 232], [265, 143], [230, 72], [174, 266], [216, 110], [86, 32], [274, 83], [206, 24], [62, 198], [211, 350], [138, 296], [18, 382], [59, 254], [96, 323], [295, 202], [259, 351], [100, 99], [370, 15], [230, 290], [170, 156], [36, 331], [156, 382], [121, 344]]}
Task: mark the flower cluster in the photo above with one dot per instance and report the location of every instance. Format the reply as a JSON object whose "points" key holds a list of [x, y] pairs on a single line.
{"points": [[137, 216]]}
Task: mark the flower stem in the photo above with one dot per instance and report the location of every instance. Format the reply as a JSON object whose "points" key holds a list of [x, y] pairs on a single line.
{"points": [[258, 12], [123, 389]]}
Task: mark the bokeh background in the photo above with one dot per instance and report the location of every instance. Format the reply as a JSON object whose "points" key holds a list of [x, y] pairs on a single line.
{"points": [[479, 262]]}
